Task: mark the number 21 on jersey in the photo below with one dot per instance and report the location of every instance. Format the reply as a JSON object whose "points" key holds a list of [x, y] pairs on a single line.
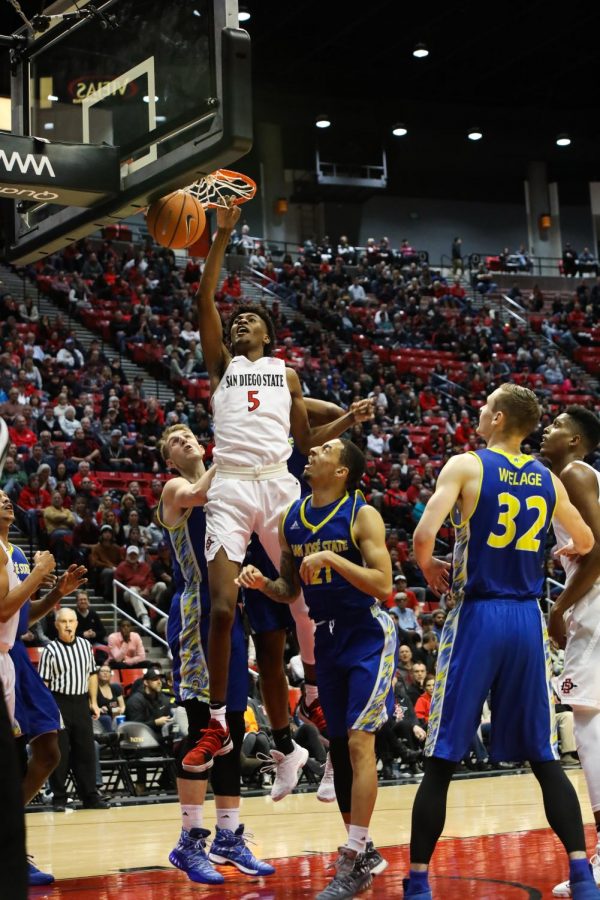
{"points": [[510, 507]]}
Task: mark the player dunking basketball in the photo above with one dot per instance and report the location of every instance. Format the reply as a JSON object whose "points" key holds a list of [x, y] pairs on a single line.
{"points": [[257, 401], [494, 640], [182, 516]]}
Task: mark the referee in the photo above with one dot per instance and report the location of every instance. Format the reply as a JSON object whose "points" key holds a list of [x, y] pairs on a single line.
{"points": [[67, 666]]}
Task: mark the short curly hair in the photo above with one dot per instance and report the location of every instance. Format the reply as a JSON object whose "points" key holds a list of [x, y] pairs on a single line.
{"points": [[262, 314]]}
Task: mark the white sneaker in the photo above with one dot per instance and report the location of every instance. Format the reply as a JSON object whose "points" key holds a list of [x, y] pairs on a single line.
{"points": [[564, 888], [287, 770], [326, 792]]}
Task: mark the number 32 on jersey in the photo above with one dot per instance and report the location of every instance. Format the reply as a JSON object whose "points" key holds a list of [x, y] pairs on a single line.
{"points": [[510, 508]]}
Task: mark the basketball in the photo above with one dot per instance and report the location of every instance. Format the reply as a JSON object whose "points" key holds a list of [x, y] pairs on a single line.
{"points": [[176, 221]]}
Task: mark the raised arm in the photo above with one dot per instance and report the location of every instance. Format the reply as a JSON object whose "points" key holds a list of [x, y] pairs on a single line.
{"points": [[305, 436], [12, 601], [321, 412], [71, 580], [569, 518], [375, 576], [216, 355], [179, 493]]}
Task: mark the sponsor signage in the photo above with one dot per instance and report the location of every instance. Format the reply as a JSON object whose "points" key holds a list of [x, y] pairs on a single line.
{"points": [[34, 170]]}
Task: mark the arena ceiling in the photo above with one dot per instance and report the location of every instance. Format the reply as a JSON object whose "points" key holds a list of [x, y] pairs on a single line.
{"points": [[519, 71]]}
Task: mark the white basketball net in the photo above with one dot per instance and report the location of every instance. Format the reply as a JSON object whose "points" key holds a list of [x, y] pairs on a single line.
{"points": [[221, 188]]}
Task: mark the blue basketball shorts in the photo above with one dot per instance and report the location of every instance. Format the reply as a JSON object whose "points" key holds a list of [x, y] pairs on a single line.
{"points": [[187, 636], [355, 657], [497, 648], [35, 708]]}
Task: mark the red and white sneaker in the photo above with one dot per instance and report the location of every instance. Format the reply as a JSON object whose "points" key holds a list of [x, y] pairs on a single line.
{"points": [[312, 714], [214, 741]]}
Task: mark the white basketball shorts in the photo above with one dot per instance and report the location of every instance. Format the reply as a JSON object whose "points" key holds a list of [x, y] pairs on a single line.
{"points": [[579, 683], [237, 508], [7, 676]]}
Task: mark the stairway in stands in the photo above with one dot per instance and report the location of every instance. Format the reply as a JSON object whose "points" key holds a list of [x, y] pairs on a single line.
{"points": [[19, 288]]}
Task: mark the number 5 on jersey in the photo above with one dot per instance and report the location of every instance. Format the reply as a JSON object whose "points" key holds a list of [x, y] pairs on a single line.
{"points": [[253, 401]]}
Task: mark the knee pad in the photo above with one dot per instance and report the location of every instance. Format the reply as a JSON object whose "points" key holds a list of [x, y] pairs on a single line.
{"points": [[198, 715], [342, 772], [21, 747], [226, 772]]}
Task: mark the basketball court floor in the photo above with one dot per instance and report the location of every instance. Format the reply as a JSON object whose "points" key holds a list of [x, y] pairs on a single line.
{"points": [[497, 846]]}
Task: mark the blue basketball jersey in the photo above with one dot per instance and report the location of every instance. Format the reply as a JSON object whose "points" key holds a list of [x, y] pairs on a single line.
{"points": [[499, 549], [22, 570], [35, 707], [308, 531], [191, 579]]}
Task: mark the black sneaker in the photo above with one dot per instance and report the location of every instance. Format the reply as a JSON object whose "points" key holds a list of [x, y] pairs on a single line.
{"points": [[352, 876], [375, 861], [97, 804]]}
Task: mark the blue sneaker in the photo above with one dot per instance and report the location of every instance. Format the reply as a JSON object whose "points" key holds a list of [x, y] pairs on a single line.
{"points": [[584, 890], [230, 848], [37, 878], [415, 895], [190, 856]]}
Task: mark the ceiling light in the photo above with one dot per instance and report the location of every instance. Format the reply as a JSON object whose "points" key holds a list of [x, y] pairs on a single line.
{"points": [[399, 130], [475, 133], [243, 14], [420, 51], [323, 121], [147, 99], [49, 126], [197, 13], [563, 140], [52, 97]]}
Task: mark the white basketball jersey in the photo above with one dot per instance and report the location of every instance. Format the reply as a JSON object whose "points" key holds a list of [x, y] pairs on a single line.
{"points": [[251, 413], [8, 630], [562, 537]]}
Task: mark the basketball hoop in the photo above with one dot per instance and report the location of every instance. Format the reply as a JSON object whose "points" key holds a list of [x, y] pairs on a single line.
{"points": [[222, 189]]}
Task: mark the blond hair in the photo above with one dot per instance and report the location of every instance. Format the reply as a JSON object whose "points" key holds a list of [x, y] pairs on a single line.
{"points": [[520, 407], [163, 444]]}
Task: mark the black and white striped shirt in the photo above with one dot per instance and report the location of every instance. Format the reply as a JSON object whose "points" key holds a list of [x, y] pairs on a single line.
{"points": [[66, 668]]}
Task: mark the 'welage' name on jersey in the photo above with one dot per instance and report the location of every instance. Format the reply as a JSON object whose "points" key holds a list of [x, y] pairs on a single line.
{"points": [[509, 477], [301, 550], [255, 379]]}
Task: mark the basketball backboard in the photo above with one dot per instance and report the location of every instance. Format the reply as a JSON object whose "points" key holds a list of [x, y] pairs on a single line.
{"points": [[166, 84]]}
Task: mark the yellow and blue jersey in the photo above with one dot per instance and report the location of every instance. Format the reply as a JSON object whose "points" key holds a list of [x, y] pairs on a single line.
{"points": [[189, 616], [499, 549], [494, 642], [22, 570], [355, 640], [35, 707], [308, 530]]}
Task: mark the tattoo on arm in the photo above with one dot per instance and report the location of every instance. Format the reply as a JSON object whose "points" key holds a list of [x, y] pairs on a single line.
{"points": [[287, 587]]}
